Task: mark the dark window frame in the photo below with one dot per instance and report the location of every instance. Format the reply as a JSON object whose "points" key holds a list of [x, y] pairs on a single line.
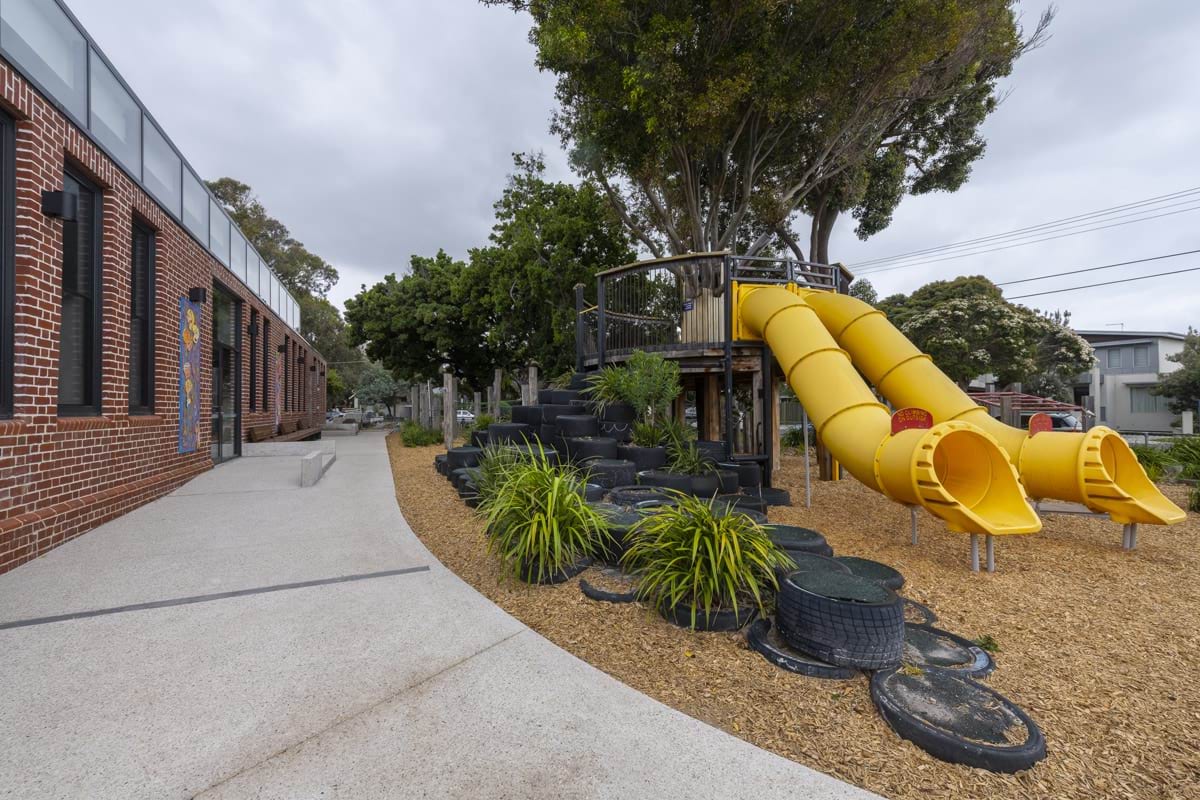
{"points": [[286, 405], [94, 408], [253, 358], [268, 378], [146, 404], [8, 268]]}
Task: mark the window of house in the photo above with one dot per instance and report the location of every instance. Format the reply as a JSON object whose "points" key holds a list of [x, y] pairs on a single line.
{"points": [[195, 206], [7, 271], [266, 365], [287, 375], [79, 331], [1114, 357], [141, 322], [1141, 356], [253, 360], [43, 40], [1141, 401], [162, 169], [115, 118]]}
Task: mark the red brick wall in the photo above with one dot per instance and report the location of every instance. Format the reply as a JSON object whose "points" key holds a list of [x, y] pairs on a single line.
{"points": [[60, 477]]}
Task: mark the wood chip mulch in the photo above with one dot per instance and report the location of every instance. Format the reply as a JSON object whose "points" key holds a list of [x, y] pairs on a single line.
{"points": [[1099, 646]]}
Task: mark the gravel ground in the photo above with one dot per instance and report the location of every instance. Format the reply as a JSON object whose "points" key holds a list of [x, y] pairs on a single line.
{"points": [[1099, 646]]}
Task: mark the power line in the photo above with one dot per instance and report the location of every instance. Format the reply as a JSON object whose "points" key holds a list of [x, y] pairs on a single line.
{"points": [[1106, 283], [1094, 269], [1022, 244], [1031, 228]]}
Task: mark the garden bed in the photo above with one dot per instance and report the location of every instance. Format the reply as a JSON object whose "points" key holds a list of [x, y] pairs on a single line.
{"points": [[1100, 647]]}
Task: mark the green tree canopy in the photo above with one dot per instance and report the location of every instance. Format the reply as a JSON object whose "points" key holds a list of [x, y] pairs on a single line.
{"points": [[969, 329], [711, 125], [430, 319], [378, 387], [1182, 387], [548, 237]]}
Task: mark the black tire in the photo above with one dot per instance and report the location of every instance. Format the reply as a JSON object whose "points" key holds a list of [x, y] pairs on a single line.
{"points": [[479, 439], [744, 502], [593, 492], [951, 698], [573, 425], [711, 452], [472, 501], [719, 621], [547, 432], [456, 477], [875, 571], [777, 651], [579, 381], [808, 562], [843, 619], [800, 540], [551, 412], [928, 647], [774, 497], [510, 433], [749, 472], [459, 457], [581, 447], [756, 517], [620, 431], [643, 457], [527, 415], [619, 412], [612, 472], [728, 478], [665, 479], [706, 485], [545, 396], [439, 462], [563, 397], [918, 613], [562, 576], [592, 593], [632, 495]]}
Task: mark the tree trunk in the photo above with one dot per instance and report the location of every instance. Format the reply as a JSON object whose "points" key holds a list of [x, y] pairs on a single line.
{"points": [[828, 218]]}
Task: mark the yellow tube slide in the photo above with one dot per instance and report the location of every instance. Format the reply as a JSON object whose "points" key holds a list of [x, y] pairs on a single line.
{"points": [[953, 470], [1095, 468]]}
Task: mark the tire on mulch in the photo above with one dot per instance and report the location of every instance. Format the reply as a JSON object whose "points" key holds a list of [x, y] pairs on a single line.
{"points": [[928, 647], [632, 495], [801, 540], [610, 472], [572, 425], [593, 593], [844, 619], [711, 451], [725, 511], [774, 497], [749, 472], [510, 433], [958, 720], [473, 501], [479, 439], [456, 477], [744, 502], [918, 613], [728, 480], [616, 421], [581, 447], [439, 462], [593, 492], [562, 576], [563, 397], [724, 620], [552, 411], [706, 485], [545, 396], [528, 415], [665, 479], [808, 562], [621, 431], [874, 570], [459, 457], [764, 639], [644, 457]]}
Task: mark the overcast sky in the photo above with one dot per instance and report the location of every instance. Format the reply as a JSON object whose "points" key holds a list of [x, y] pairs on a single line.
{"points": [[376, 129]]}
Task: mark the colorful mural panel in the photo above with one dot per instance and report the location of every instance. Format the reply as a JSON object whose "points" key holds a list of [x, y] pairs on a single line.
{"points": [[189, 375]]}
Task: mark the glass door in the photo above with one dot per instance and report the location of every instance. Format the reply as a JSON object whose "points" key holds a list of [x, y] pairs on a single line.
{"points": [[227, 377]]}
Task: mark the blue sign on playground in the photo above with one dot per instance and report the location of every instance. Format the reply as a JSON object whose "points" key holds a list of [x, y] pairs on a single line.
{"points": [[689, 305]]}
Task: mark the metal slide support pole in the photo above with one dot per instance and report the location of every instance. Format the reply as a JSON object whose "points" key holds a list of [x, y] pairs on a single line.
{"points": [[974, 552], [807, 463], [991, 554], [728, 360], [1133, 535], [912, 514]]}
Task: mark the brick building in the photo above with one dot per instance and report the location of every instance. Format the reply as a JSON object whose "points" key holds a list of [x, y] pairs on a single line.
{"points": [[141, 337]]}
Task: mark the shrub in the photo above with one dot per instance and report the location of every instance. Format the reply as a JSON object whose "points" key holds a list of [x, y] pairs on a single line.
{"points": [[1154, 460], [691, 553], [647, 381], [682, 454], [494, 467], [413, 434], [539, 520], [562, 381], [661, 433], [793, 437], [1194, 499], [1185, 451]]}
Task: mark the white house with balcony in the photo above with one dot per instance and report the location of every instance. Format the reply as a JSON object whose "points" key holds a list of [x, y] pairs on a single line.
{"points": [[1128, 364]]}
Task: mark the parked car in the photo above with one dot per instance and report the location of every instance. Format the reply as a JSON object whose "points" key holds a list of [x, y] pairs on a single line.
{"points": [[465, 416], [1059, 420]]}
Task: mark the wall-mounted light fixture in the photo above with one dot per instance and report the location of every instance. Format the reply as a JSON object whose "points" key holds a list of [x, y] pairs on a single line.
{"points": [[198, 294], [313, 368], [299, 359], [59, 205]]}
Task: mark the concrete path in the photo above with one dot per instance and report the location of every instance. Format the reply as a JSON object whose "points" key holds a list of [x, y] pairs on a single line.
{"points": [[403, 685]]}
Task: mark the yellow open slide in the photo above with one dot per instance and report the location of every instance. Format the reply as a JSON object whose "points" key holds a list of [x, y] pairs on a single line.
{"points": [[953, 469], [1095, 468]]}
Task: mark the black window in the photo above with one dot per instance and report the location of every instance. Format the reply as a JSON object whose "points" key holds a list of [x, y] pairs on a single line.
{"points": [[7, 269], [79, 334], [141, 322], [266, 366], [287, 374], [253, 360]]}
